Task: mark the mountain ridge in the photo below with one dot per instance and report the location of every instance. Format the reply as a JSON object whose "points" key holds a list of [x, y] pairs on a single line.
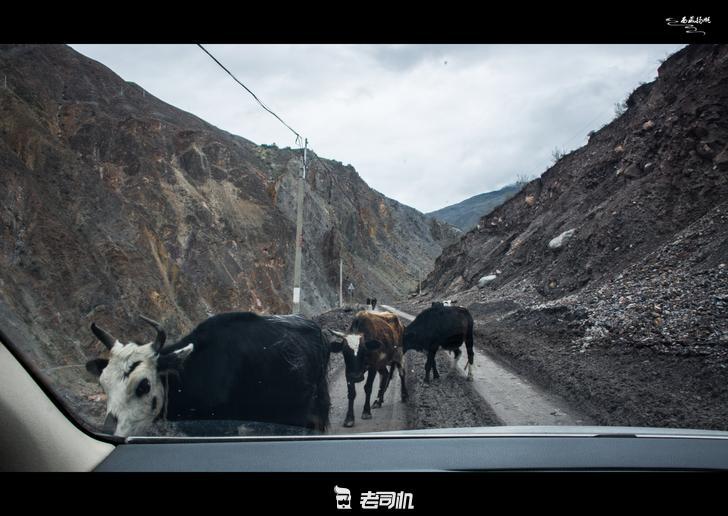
{"points": [[115, 203], [605, 280], [631, 169], [466, 213]]}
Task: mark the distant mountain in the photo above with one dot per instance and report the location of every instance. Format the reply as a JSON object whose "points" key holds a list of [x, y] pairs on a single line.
{"points": [[466, 214]]}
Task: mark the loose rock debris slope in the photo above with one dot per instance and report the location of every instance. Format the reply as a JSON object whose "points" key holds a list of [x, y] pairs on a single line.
{"points": [[609, 279]]}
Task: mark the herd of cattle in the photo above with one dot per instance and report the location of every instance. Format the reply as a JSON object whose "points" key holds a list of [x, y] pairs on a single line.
{"points": [[266, 368]]}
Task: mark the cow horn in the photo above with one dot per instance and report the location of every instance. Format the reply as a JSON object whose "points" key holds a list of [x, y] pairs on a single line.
{"points": [[337, 333], [103, 336], [161, 334]]}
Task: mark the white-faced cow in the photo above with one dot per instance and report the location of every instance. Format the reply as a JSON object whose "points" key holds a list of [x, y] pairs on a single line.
{"points": [[373, 343], [234, 366], [441, 326]]}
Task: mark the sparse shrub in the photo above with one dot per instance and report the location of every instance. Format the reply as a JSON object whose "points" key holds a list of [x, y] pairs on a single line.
{"points": [[523, 179], [620, 108], [557, 154]]}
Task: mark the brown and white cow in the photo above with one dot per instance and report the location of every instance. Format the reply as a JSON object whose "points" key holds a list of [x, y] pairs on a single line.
{"points": [[373, 343]]}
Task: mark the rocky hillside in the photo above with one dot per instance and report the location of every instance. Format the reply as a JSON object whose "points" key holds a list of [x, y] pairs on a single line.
{"points": [[639, 182], [466, 214], [606, 278], [113, 203]]}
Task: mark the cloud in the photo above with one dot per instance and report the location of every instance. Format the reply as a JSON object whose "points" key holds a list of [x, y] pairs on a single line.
{"points": [[428, 125]]}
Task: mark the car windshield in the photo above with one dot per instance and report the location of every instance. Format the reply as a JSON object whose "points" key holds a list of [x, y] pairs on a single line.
{"points": [[296, 240]]}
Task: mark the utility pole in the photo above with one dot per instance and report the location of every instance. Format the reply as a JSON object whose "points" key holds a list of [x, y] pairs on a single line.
{"points": [[299, 236], [341, 280]]}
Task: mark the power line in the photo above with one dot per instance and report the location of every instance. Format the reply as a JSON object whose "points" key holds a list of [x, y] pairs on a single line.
{"points": [[299, 197], [298, 136]]}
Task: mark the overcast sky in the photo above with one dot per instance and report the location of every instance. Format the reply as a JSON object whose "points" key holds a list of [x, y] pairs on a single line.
{"points": [[427, 125]]}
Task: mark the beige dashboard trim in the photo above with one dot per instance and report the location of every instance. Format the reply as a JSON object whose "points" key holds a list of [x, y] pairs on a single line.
{"points": [[34, 434]]}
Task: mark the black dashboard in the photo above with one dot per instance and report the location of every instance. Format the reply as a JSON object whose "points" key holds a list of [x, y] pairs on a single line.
{"points": [[422, 452]]}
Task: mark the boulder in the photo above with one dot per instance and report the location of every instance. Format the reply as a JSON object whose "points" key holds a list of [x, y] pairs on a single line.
{"points": [[482, 282], [721, 160], [559, 241], [704, 150], [632, 171]]}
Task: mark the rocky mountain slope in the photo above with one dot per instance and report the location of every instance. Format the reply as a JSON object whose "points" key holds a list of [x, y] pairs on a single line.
{"points": [[605, 279], [114, 203], [640, 180], [466, 214]]}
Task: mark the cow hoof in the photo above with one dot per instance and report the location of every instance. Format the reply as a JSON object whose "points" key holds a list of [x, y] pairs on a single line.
{"points": [[377, 404], [366, 415], [349, 423], [470, 378]]}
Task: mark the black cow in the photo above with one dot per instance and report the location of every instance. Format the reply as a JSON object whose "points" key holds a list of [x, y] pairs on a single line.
{"points": [[234, 366], [441, 326]]}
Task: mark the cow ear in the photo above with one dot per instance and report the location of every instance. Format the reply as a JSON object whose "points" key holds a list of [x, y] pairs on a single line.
{"points": [[96, 366], [373, 344], [174, 359], [334, 340]]}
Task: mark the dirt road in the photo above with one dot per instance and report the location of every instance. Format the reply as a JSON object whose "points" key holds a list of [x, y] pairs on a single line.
{"points": [[446, 403], [496, 396], [392, 415], [513, 399]]}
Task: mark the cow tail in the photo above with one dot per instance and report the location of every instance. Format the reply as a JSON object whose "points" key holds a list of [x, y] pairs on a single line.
{"points": [[469, 341]]}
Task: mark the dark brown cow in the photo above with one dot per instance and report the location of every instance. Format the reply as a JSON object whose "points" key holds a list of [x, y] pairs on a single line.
{"points": [[373, 343]]}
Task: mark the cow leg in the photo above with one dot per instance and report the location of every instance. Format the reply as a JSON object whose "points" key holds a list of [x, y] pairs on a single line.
{"points": [[435, 374], [349, 420], [428, 365], [400, 370], [469, 365], [367, 412], [469, 348], [384, 378], [457, 352]]}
